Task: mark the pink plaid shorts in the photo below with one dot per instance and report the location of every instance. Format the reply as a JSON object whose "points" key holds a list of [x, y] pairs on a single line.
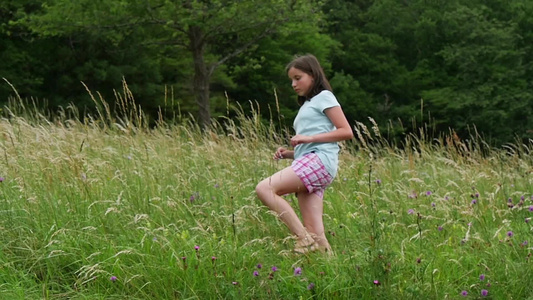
{"points": [[312, 173]]}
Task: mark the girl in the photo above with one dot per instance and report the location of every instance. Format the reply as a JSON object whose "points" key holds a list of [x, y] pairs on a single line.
{"points": [[319, 125]]}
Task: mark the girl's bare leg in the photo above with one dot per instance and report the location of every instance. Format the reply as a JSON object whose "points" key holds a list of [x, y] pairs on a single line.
{"points": [[269, 190], [312, 208]]}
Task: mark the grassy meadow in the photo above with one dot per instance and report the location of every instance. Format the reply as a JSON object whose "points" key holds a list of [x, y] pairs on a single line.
{"points": [[110, 209]]}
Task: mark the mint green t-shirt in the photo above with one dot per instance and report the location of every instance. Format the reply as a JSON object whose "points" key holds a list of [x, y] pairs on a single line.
{"points": [[311, 120]]}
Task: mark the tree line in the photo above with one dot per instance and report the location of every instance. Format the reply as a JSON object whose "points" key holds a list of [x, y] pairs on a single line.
{"points": [[450, 64]]}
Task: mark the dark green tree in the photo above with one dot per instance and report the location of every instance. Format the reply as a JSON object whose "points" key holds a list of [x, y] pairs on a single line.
{"points": [[47, 65], [197, 27], [487, 83], [467, 62], [19, 63]]}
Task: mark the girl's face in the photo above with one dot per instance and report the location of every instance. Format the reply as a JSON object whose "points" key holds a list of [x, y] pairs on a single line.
{"points": [[301, 81]]}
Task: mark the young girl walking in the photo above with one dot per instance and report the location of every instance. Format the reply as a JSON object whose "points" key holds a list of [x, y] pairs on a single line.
{"points": [[319, 125]]}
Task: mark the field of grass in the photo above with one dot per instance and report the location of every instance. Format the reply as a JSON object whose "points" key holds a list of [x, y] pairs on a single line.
{"points": [[109, 209]]}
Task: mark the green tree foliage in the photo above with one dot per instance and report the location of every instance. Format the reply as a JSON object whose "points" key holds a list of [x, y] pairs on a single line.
{"points": [[18, 62], [486, 83], [370, 73], [196, 27], [449, 63], [467, 62], [51, 60]]}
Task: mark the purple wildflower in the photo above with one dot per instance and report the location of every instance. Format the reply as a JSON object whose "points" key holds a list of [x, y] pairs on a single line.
{"points": [[259, 266], [234, 283], [274, 268], [297, 271], [256, 273], [196, 247], [311, 286], [411, 211], [477, 195], [439, 228], [531, 208], [428, 193], [446, 198], [482, 277], [418, 260], [184, 258], [213, 258], [376, 282], [433, 204], [524, 243], [2, 180], [413, 195], [484, 293], [510, 200], [464, 293], [113, 278], [510, 233], [474, 201], [378, 181]]}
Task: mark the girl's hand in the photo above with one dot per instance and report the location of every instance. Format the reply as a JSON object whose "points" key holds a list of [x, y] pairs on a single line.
{"points": [[300, 139], [283, 153]]}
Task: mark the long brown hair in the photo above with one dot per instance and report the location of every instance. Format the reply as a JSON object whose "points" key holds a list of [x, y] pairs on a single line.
{"points": [[309, 64]]}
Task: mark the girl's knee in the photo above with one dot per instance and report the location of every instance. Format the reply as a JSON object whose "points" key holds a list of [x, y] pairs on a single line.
{"points": [[261, 188], [258, 189], [264, 190]]}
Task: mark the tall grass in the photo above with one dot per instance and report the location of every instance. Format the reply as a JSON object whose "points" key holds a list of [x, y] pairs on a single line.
{"points": [[108, 208]]}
